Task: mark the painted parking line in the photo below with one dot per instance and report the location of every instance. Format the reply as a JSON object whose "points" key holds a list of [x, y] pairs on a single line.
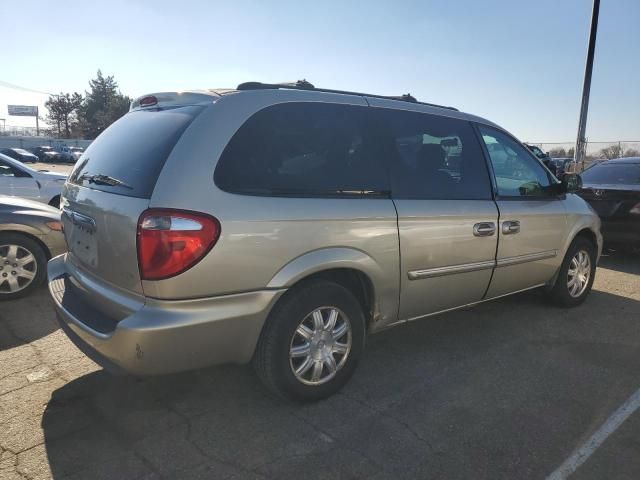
{"points": [[583, 453]]}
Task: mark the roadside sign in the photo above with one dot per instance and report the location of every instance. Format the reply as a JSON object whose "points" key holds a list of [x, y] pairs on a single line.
{"points": [[23, 110]]}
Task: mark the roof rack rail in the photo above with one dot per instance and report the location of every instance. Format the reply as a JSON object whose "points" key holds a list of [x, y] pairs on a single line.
{"points": [[305, 85]]}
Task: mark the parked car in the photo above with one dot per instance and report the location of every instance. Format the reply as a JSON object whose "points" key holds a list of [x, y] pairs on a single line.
{"points": [[612, 188], [66, 154], [20, 154], [544, 157], [30, 234], [563, 165], [46, 154], [77, 152], [304, 220], [18, 180]]}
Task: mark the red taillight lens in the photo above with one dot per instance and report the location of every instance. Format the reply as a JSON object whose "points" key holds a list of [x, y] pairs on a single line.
{"points": [[172, 241]]}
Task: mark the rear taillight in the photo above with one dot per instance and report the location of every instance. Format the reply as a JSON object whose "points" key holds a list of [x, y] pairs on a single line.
{"points": [[635, 209], [172, 241]]}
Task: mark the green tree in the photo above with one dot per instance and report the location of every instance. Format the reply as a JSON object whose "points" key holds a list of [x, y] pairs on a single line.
{"points": [[62, 112], [103, 105]]}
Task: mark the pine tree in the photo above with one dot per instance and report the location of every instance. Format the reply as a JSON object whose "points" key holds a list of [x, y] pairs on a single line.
{"points": [[103, 105]]}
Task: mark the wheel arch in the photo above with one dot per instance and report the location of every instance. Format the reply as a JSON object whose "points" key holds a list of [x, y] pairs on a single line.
{"points": [[351, 268], [589, 235], [30, 235], [583, 229]]}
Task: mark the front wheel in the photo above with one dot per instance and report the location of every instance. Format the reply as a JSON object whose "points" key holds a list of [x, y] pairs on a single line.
{"points": [[576, 275], [311, 342]]}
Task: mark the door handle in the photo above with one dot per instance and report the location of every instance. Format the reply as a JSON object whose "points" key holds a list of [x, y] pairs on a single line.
{"points": [[510, 227], [484, 229]]}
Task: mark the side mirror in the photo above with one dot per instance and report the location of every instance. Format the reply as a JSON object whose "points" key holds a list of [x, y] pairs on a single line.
{"points": [[571, 182]]}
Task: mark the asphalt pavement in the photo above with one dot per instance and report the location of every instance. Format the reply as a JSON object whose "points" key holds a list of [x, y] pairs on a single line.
{"points": [[505, 390]]}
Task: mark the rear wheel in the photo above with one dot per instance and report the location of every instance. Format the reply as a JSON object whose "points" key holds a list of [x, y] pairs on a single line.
{"points": [[311, 342], [576, 275], [23, 265]]}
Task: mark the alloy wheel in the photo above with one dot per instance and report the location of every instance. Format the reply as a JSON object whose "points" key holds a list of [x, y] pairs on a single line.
{"points": [[18, 268], [320, 345], [579, 273]]}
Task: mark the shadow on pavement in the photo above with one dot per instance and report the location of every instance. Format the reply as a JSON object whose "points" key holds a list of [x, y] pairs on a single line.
{"points": [[503, 390], [27, 319], [626, 262]]}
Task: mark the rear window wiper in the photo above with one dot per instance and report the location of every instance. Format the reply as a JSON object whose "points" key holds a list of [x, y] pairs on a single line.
{"points": [[99, 179]]}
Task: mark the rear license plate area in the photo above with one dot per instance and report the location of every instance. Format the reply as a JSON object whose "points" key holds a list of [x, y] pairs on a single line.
{"points": [[81, 237]]}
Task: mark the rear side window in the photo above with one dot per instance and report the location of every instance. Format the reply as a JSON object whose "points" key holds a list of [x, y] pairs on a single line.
{"points": [[128, 156], [303, 149], [434, 157]]}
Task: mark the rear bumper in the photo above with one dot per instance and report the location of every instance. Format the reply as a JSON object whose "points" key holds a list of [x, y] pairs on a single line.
{"points": [[163, 336]]}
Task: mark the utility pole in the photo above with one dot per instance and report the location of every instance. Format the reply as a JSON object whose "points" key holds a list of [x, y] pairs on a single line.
{"points": [[581, 142], [37, 124]]}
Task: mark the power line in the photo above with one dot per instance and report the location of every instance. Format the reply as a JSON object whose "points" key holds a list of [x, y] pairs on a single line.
{"points": [[24, 89]]}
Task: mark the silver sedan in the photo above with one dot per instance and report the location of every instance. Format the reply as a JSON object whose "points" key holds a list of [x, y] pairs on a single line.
{"points": [[30, 234]]}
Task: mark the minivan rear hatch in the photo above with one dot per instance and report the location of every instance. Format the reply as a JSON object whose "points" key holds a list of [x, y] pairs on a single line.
{"points": [[111, 186]]}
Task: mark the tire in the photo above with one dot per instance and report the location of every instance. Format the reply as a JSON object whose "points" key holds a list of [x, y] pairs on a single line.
{"points": [[9, 263], [272, 359], [561, 293]]}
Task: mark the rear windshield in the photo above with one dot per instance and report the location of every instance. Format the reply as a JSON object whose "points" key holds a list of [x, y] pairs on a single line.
{"points": [[127, 157], [613, 174]]}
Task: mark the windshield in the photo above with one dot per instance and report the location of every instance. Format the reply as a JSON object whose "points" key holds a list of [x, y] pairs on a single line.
{"points": [[613, 174]]}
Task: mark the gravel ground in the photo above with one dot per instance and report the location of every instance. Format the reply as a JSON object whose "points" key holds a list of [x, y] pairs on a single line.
{"points": [[52, 167], [507, 389]]}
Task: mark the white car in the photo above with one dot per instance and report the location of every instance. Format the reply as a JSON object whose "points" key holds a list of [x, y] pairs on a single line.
{"points": [[77, 152], [18, 180]]}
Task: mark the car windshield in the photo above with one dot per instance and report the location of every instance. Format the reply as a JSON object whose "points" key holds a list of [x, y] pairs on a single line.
{"points": [[613, 174], [21, 151]]}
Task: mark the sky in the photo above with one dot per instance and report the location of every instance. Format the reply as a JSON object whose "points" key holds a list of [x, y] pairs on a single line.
{"points": [[518, 63]]}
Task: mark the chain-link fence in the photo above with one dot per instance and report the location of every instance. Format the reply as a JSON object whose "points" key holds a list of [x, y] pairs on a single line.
{"points": [[594, 151], [13, 130], [29, 142]]}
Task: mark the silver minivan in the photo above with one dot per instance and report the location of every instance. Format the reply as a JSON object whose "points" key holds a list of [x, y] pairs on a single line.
{"points": [[279, 224]]}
